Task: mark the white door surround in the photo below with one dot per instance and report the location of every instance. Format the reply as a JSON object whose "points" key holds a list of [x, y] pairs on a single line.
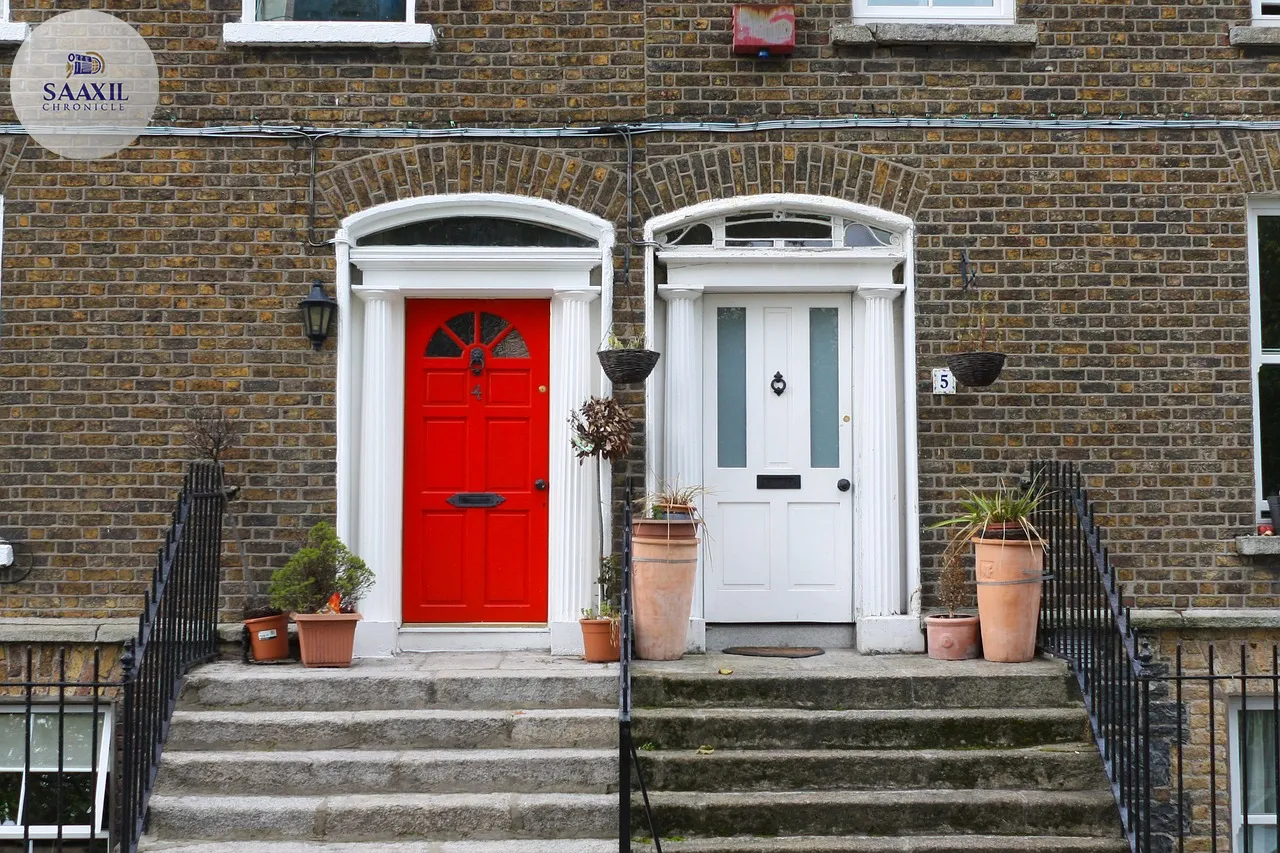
{"points": [[370, 397], [886, 564]]}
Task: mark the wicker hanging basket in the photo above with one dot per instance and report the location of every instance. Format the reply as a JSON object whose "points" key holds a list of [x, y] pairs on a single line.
{"points": [[627, 365], [976, 369]]}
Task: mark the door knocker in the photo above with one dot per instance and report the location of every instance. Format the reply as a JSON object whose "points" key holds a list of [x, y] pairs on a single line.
{"points": [[778, 384], [477, 361]]}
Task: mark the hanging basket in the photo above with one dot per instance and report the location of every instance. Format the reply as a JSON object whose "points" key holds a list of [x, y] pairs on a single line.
{"points": [[976, 369], [627, 365]]}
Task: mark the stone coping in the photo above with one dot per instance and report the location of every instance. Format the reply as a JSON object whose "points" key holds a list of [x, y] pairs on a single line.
{"points": [[38, 629], [1008, 35], [1257, 546], [1255, 36], [1206, 618]]}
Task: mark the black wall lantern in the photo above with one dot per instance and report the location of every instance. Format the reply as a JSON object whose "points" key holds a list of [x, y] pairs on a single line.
{"points": [[318, 311]]}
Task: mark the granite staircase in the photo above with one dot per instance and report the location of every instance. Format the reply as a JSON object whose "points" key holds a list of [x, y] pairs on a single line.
{"points": [[872, 754]]}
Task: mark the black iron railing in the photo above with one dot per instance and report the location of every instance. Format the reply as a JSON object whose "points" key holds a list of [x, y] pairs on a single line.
{"points": [[1188, 737], [628, 757], [178, 629]]}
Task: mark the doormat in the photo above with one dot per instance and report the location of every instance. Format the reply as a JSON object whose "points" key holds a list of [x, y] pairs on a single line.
{"points": [[774, 651]]}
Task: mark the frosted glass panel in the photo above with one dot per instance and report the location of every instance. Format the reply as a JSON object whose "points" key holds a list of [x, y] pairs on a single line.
{"points": [[77, 741], [824, 387], [13, 740], [731, 387]]}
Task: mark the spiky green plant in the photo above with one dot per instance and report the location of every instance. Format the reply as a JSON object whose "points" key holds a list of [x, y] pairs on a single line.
{"points": [[321, 568]]}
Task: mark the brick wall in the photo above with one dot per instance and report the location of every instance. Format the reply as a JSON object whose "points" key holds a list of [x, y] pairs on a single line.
{"points": [[139, 287]]}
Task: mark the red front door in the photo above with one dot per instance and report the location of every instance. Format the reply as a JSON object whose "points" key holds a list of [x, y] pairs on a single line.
{"points": [[475, 460]]}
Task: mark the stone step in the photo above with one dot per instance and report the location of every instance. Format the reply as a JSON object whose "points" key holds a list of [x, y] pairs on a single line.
{"points": [[370, 686], [406, 729], [358, 771], [1078, 813], [885, 682], [1066, 767], [384, 817], [889, 844], [757, 728], [563, 845]]}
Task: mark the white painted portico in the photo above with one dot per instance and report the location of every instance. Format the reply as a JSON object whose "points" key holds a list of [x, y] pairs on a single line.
{"points": [[886, 573], [373, 283]]}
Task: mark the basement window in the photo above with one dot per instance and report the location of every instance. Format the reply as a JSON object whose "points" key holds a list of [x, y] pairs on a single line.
{"points": [[321, 22], [54, 768], [1255, 755], [934, 11]]}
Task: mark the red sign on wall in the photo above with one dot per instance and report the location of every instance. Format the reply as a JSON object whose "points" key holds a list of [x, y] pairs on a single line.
{"points": [[764, 30]]}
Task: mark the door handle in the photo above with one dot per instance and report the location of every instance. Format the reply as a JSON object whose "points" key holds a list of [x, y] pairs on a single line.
{"points": [[844, 485], [540, 485]]}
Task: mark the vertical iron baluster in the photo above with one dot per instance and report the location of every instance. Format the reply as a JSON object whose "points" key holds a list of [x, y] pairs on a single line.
{"points": [[1182, 835], [1275, 724], [1213, 754], [1146, 766], [93, 745], [24, 804], [62, 727], [1244, 749]]}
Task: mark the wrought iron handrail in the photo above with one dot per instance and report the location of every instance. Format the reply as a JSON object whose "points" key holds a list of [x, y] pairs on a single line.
{"points": [[628, 757], [178, 628]]}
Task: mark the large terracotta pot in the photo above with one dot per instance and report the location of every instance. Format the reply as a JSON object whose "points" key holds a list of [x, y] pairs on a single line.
{"points": [[601, 640], [326, 639], [269, 637], [1009, 577], [663, 572], [664, 528], [952, 637]]}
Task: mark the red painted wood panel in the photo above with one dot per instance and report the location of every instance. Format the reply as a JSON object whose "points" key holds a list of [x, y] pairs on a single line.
{"points": [[476, 427]]}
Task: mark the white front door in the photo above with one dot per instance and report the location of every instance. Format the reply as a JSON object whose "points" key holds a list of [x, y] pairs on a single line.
{"points": [[778, 463]]}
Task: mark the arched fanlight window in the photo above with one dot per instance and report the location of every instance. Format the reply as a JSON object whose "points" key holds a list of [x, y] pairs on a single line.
{"points": [[477, 332], [477, 231], [778, 229]]}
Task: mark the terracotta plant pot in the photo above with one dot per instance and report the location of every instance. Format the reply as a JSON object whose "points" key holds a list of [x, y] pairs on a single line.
{"points": [[326, 639], [663, 572], [600, 640], [269, 637], [664, 528], [1009, 577], [952, 637]]}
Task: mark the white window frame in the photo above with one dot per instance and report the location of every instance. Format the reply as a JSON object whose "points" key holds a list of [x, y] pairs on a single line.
{"points": [[1000, 12], [250, 30], [44, 832], [1260, 20], [1257, 356], [1235, 706], [11, 32]]}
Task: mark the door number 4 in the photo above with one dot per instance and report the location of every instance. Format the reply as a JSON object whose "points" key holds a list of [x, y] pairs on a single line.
{"points": [[943, 381]]}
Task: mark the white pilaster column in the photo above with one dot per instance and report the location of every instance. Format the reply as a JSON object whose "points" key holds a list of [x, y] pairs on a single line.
{"points": [[573, 553], [381, 470], [880, 608], [682, 451]]}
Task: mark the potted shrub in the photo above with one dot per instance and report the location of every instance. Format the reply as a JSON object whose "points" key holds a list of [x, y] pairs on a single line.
{"points": [[319, 586], [664, 549], [626, 361], [601, 633], [268, 630], [952, 635], [978, 360], [1009, 566]]}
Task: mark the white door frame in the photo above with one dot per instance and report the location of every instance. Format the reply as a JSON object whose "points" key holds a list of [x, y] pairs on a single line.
{"points": [[370, 398], [886, 501]]}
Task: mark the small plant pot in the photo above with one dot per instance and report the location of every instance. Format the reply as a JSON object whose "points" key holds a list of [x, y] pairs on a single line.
{"points": [[268, 637], [976, 369], [601, 640], [623, 366], [952, 637], [326, 639]]}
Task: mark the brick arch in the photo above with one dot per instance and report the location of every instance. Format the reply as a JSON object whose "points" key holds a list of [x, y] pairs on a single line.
{"points": [[1255, 159], [461, 167], [756, 168]]}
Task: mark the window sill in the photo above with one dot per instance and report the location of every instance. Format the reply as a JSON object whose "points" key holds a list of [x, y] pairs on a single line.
{"points": [[1255, 36], [11, 33], [37, 629], [1008, 35], [1205, 618], [1258, 546], [328, 33]]}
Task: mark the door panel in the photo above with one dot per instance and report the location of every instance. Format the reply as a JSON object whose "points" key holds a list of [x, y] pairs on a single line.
{"points": [[778, 554], [476, 421]]}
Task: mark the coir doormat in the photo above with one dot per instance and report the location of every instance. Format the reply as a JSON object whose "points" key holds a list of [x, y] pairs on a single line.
{"points": [[774, 651]]}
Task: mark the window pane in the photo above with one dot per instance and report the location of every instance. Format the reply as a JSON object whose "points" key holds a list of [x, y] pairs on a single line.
{"points": [[897, 2], [1269, 279], [796, 233], [1269, 427], [983, 3], [857, 235], [824, 387], [45, 806], [331, 10], [490, 326], [1258, 762], [443, 346], [1270, 9], [10, 794], [476, 231], [77, 741], [464, 326], [731, 387], [512, 346], [13, 736], [1264, 839], [690, 235]]}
